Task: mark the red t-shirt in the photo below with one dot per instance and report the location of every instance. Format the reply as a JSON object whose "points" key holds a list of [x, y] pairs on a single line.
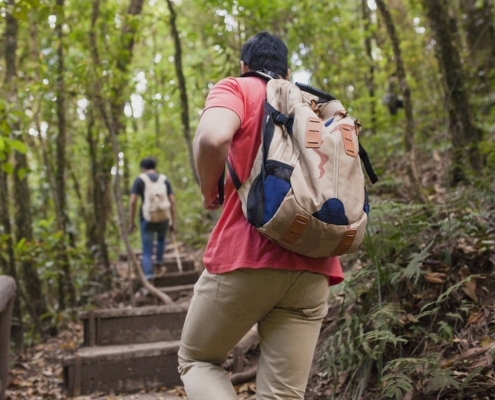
{"points": [[234, 242]]}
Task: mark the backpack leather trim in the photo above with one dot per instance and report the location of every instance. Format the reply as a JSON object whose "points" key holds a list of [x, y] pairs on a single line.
{"points": [[313, 133], [346, 131], [295, 230], [345, 242]]}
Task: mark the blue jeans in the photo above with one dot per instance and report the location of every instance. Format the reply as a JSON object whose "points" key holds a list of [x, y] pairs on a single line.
{"points": [[148, 232]]}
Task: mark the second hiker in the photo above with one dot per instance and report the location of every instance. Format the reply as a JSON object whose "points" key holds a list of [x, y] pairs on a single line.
{"points": [[157, 213]]}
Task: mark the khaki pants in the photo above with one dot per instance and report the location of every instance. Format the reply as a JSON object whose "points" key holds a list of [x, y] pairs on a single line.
{"points": [[288, 307]]}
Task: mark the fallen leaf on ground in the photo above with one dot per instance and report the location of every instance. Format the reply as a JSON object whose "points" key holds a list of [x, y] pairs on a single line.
{"points": [[435, 277]]}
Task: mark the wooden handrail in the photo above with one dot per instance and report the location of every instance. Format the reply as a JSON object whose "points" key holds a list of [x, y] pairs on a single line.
{"points": [[7, 293]]}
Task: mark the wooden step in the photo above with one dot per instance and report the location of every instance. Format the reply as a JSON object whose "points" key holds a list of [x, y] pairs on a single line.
{"points": [[176, 292], [176, 279], [118, 326], [170, 264], [179, 294], [121, 369]]}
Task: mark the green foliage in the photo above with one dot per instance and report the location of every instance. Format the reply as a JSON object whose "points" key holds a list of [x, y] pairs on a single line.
{"points": [[326, 41], [379, 324], [8, 136], [420, 376], [358, 340], [397, 385], [413, 270]]}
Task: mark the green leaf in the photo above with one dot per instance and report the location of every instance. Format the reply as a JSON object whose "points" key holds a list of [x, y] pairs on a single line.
{"points": [[18, 145], [7, 168]]}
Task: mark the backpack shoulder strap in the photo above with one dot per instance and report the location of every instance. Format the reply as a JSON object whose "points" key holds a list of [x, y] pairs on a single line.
{"points": [[162, 178], [268, 110], [144, 176], [367, 164]]}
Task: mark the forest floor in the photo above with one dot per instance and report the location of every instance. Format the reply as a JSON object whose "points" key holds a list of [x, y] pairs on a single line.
{"points": [[37, 373]]}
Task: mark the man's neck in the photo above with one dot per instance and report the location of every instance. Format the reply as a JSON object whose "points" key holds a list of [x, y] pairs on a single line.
{"points": [[149, 171]]}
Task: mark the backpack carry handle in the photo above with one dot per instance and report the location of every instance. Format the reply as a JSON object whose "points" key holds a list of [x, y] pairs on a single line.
{"points": [[317, 92]]}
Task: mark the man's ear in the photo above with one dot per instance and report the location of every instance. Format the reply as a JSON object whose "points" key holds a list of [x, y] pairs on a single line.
{"points": [[244, 67]]}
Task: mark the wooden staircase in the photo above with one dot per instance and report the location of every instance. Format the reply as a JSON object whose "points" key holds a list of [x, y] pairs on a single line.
{"points": [[126, 350]]}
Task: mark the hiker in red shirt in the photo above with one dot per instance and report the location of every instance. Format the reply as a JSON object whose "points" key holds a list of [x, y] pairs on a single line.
{"points": [[249, 280]]}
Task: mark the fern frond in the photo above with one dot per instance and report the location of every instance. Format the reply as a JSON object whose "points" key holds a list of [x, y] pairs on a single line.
{"points": [[413, 269], [397, 385], [441, 379]]}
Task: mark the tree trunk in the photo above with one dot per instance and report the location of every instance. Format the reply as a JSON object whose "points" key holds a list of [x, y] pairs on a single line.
{"points": [[35, 301], [100, 164], [156, 102], [96, 225], [128, 39], [465, 134], [406, 94], [65, 279], [480, 38], [370, 76], [182, 87]]}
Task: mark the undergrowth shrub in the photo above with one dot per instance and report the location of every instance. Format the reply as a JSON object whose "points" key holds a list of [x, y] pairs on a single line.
{"points": [[406, 298]]}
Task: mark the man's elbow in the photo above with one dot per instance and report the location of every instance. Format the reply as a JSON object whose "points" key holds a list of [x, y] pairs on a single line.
{"points": [[209, 140]]}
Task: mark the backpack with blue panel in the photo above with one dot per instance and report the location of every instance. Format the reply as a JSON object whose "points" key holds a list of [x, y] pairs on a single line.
{"points": [[306, 190]]}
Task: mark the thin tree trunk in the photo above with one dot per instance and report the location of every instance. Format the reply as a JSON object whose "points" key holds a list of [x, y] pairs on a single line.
{"points": [[100, 165], [158, 129], [406, 94], [465, 134], [128, 39], [182, 87], [65, 279], [77, 189], [370, 76], [480, 36], [22, 209]]}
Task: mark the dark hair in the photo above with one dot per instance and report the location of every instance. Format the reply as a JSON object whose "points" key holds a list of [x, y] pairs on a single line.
{"points": [[266, 51], [148, 163]]}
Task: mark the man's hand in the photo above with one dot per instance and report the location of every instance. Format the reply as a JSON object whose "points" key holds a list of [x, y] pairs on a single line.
{"points": [[172, 227], [132, 227], [211, 203]]}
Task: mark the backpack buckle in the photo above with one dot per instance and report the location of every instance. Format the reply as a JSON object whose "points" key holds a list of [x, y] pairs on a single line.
{"points": [[281, 119]]}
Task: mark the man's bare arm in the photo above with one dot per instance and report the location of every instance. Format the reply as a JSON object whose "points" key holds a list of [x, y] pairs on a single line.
{"points": [[211, 145], [132, 211]]}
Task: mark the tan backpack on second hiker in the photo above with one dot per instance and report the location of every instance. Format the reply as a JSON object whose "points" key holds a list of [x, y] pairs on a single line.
{"points": [[306, 189], [156, 204]]}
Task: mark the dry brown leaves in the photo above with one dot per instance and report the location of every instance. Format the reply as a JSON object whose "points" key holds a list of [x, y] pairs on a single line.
{"points": [[37, 374]]}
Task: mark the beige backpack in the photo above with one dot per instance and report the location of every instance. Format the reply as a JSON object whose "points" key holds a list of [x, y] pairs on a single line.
{"points": [[156, 204], [306, 190]]}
